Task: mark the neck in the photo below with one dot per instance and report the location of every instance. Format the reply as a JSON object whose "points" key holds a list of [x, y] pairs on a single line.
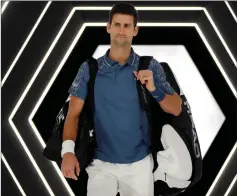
{"points": [[120, 54]]}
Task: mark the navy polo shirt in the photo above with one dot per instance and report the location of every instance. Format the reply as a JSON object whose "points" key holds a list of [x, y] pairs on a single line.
{"points": [[120, 124]]}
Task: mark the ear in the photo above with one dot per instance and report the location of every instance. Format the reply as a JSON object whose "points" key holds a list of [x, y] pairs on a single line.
{"points": [[135, 32], [108, 27]]}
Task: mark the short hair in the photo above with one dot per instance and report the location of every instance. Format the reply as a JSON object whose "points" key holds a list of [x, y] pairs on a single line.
{"points": [[124, 8]]}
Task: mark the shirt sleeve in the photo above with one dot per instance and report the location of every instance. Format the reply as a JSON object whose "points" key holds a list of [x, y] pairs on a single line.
{"points": [[160, 77], [79, 86]]}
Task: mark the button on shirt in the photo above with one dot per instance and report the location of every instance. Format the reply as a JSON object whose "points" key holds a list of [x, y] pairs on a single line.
{"points": [[121, 126]]}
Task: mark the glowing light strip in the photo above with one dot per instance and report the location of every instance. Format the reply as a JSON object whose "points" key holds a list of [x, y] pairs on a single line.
{"points": [[85, 8], [231, 186], [26, 42], [48, 53], [31, 158], [217, 61], [5, 6], [12, 175], [222, 169], [220, 37], [231, 11]]}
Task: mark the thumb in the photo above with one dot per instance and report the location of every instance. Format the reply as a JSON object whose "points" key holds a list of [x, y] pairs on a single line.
{"points": [[77, 168], [135, 73]]}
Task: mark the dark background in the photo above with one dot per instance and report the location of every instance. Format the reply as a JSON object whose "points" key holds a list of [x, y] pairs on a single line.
{"points": [[17, 21]]}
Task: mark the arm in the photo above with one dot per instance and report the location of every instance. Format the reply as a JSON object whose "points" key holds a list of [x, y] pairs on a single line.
{"points": [[72, 119], [171, 104], [78, 92], [165, 95]]}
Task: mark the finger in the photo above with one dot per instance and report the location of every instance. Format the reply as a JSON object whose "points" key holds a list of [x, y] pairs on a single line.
{"points": [[145, 79], [140, 75], [135, 73], [70, 173], [145, 73], [65, 173], [77, 169]]}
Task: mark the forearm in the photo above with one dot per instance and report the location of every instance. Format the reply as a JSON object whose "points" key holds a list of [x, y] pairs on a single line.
{"points": [[171, 104], [70, 128]]}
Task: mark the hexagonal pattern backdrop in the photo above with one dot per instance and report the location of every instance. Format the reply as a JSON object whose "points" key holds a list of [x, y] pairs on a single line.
{"points": [[43, 46]]}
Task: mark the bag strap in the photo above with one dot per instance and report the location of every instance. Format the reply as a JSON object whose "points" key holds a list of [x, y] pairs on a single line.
{"points": [[144, 62], [93, 68], [143, 94]]}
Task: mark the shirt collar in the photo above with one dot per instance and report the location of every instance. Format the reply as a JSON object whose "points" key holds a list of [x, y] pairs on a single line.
{"points": [[110, 62]]}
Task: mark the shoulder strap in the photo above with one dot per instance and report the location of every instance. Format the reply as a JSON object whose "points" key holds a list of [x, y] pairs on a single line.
{"points": [[142, 91], [90, 103], [144, 62], [93, 68], [145, 103]]}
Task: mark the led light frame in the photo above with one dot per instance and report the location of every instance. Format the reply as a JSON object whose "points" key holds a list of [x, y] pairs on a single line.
{"points": [[231, 11], [231, 186], [67, 54], [4, 6], [13, 175]]}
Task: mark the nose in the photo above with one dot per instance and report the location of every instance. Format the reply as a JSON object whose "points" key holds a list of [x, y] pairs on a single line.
{"points": [[121, 30]]}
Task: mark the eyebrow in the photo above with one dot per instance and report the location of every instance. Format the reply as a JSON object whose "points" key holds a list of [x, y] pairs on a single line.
{"points": [[124, 23]]}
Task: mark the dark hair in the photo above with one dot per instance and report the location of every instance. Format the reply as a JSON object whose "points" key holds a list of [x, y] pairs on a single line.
{"points": [[124, 8]]}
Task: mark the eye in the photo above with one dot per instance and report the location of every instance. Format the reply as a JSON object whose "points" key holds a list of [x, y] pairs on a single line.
{"points": [[127, 25], [117, 24]]}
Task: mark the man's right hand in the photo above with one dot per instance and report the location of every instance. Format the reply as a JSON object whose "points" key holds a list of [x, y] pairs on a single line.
{"points": [[69, 165]]}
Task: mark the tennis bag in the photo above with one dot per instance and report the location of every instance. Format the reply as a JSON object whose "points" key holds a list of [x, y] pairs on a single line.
{"points": [[183, 124], [86, 139]]}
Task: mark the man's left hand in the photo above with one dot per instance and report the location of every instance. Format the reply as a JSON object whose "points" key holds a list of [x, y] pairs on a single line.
{"points": [[146, 77]]}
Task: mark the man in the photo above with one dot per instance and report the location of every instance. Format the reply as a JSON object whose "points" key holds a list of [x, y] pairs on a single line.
{"points": [[122, 159]]}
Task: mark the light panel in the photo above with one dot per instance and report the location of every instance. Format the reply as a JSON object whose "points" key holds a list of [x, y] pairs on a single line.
{"points": [[231, 11], [25, 43], [13, 175], [51, 81], [207, 123]]}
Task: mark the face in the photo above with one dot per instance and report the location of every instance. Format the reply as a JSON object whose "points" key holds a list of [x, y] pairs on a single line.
{"points": [[122, 30]]}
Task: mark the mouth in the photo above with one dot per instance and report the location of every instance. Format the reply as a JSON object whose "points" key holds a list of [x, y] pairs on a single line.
{"points": [[121, 36]]}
